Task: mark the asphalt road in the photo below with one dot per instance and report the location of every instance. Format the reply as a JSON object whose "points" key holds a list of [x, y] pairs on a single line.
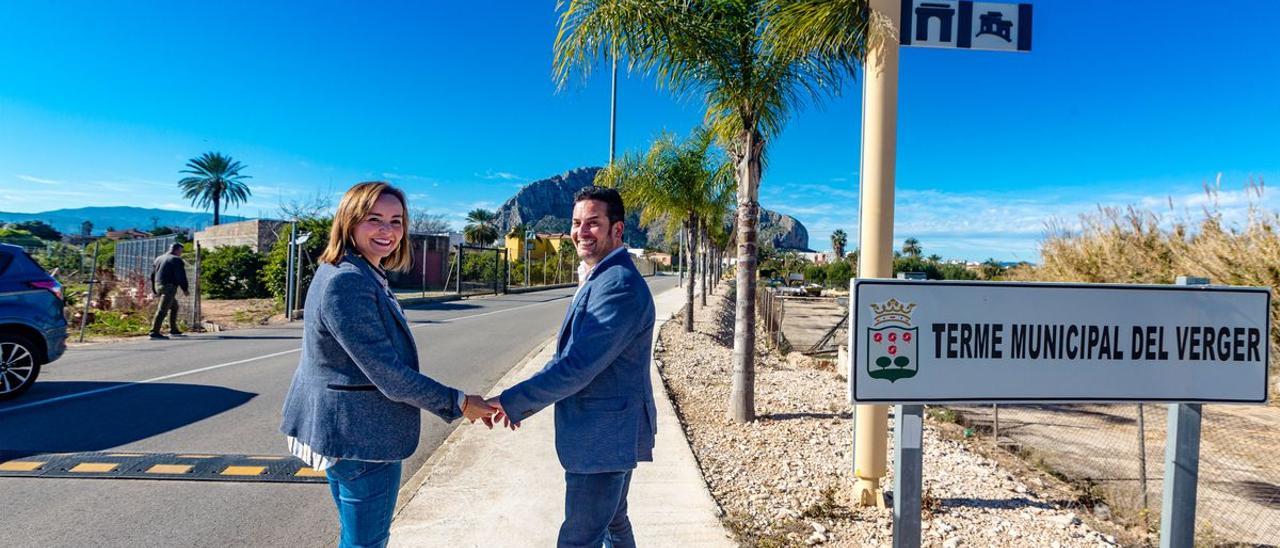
{"points": [[222, 393]]}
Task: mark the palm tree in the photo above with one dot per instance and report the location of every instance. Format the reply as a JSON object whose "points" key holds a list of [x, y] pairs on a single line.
{"points": [[935, 258], [911, 247], [838, 241], [481, 227], [214, 179], [676, 182], [718, 50]]}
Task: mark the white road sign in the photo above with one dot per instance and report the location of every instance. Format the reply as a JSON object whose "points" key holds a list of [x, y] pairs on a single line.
{"points": [[965, 25], [996, 342]]}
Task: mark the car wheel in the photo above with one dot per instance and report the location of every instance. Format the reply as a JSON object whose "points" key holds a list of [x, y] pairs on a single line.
{"points": [[19, 365]]}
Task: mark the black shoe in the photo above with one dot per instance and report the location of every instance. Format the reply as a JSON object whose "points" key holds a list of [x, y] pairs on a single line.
{"points": [[175, 333], [158, 336]]}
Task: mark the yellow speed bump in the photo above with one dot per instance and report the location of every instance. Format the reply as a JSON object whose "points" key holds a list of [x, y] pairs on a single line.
{"points": [[20, 466], [169, 469], [244, 471], [307, 472], [95, 467]]}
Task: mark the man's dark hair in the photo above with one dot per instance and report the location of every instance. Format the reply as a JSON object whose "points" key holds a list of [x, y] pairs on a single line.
{"points": [[175, 247], [612, 201]]}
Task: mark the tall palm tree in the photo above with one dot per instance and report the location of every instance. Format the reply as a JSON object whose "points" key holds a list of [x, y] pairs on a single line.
{"points": [[481, 227], [838, 241], [675, 182], [718, 50], [214, 179], [911, 247]]}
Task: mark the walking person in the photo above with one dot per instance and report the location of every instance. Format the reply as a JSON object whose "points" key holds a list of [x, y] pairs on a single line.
{"points": [[599, 381], [168, 275], [353, 407]]}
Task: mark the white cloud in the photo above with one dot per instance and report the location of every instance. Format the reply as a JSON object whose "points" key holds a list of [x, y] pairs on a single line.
{"points": [[1007, 225], [39, 180], [503, 175]]}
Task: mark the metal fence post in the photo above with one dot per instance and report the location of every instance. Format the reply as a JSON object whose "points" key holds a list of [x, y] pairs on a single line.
{"points": [[1181, 466], [93, 278], [908, 433], [195, 295], [288, 272], [458, 282], [1142, 464], [424, 267]]}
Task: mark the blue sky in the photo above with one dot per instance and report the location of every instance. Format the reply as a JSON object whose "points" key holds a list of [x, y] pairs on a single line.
{"points": [[1134, 102]]}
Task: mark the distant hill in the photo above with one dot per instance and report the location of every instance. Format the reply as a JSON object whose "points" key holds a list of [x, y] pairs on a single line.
{"points": [[547, 205], [68, 221]]}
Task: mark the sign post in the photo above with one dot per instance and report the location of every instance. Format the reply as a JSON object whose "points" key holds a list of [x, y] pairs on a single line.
{"points": [[925, 23], [1181, 467]]}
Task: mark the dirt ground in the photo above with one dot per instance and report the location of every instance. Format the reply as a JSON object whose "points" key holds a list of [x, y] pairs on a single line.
{"points": [[241, 313]]}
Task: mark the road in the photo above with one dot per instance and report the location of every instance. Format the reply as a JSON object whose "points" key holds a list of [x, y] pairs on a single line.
{"points": [[222, 393]]}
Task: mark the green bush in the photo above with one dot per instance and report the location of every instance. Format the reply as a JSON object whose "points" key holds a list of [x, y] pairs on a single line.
{"points": [[815, 274], [20, 237], [233, 272], [273, 274], [838, 274]]}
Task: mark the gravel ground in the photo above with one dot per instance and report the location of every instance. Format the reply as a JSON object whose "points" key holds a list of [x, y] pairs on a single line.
{"points": [[786, 479]]}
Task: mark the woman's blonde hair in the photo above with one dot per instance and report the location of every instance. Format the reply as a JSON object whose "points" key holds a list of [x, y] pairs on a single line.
{"points": [[354, 207]]}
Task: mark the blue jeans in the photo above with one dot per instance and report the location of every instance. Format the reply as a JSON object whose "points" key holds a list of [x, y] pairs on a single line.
{"points": [[595, 511], [365, 493]]}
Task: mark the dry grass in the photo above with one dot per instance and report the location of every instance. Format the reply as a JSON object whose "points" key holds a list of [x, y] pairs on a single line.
{"points": [[1136, 245]]}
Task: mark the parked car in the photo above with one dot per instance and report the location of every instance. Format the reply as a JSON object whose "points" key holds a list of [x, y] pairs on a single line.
{"points": [[33, 331]]}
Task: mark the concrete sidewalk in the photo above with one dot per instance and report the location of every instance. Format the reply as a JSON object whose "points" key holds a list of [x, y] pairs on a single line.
{"points": [[504, 488]]}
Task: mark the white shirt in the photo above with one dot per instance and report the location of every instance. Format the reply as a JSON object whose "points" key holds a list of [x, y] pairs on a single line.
{"points": [[585, 271]]}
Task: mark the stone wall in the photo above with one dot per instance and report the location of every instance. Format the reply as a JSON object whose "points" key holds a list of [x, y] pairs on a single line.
{"points": [[258, 234]]}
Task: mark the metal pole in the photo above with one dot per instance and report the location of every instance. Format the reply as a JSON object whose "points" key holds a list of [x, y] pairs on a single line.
{"points": [[908, 432], [288, 273], [424, 267], [497, 270], [995, 423], [1181, 466], [879, 145], [458, 282], [1142, 463], [297, 279], [195, 295], [613, 110], [93, 277]]}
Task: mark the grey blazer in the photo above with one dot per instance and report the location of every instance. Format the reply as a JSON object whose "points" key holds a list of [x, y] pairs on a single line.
{"points": [[357, 390]]}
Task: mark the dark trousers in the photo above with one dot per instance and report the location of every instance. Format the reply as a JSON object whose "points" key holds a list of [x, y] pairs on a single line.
{"points": [[168, 304], [595, 511], [365, 493]]}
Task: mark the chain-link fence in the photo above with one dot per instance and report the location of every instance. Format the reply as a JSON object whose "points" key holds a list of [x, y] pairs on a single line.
{"points": [[131, 279], [475, 270], [1115, 455]]}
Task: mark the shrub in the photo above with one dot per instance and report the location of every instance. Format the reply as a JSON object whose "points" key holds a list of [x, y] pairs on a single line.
{"points": [[838, 274], [233, 272], [273, 274]]}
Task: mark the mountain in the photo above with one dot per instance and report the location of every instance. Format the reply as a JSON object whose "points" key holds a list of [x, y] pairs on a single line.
{"points": [[546, 205], [68, 221]]}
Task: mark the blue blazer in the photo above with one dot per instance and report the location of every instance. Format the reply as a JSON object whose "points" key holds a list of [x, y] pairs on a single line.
{"points": [[357, 391], [599, 378]]}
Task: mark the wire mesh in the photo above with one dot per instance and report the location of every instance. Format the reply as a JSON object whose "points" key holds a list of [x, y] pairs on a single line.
{"points": [[1115, 454]]}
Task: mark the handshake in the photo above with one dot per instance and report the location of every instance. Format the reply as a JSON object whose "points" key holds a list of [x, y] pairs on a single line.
{"points": [[488, 411]]}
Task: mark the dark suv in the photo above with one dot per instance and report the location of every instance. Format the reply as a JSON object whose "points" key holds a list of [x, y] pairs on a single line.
{"points": [[33, 331]]}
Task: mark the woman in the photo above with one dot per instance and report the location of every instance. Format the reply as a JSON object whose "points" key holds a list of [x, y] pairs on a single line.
{"points": [[352, 409]]}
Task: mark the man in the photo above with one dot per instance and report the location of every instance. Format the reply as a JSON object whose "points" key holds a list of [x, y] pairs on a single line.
{"points": [[168, 274], [599, 380]]}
